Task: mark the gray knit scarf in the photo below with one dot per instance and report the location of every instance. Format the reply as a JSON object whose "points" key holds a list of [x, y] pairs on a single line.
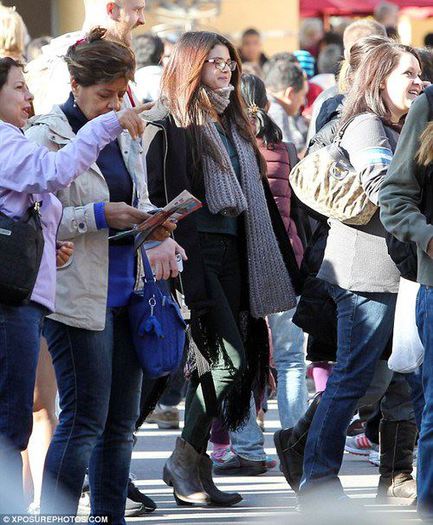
{"points": [[270, 288]]}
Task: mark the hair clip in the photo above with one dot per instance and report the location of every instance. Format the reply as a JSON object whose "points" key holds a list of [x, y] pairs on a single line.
{"points": [[253, 109], [81, 41]]}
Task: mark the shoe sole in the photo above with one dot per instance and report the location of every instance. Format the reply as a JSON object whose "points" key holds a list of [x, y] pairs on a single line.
{"points": [[142, 511], [394, 500], [165, 425], [211, 502], [138, 512], [357, 452], [284, 465], [240, 471]]}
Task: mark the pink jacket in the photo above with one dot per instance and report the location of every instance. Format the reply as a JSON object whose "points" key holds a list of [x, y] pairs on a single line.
{"points": [[278, 165]]}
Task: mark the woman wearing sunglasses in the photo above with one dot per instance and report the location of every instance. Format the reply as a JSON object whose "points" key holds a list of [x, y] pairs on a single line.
{"points": [[236, 269]]}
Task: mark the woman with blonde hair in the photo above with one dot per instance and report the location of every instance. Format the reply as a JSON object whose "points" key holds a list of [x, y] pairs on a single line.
{"points": [[12, 34]]}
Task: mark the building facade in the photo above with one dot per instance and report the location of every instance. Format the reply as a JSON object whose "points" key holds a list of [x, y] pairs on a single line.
{"points": [[277, 19]]}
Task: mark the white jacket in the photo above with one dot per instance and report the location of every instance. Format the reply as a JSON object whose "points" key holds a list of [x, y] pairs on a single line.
{"points": [[148, 83], [48, 77]]}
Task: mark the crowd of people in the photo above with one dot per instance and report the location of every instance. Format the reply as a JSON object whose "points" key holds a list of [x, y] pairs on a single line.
{"points": [[100, 131]]}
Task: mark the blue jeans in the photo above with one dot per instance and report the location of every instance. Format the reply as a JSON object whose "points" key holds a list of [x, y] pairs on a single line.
{"points": [[248, 442], [365, 322], [20, 333], [289, 359], [414, 380], [99, 381], [424, 320]]}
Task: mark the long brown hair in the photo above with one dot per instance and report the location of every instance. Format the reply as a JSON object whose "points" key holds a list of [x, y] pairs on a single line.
{"points": [[357, 52], [187, 101], [365, 94]]}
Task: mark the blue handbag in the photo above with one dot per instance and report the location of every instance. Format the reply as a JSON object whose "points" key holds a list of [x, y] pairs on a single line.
{"points": [[157, 326]]}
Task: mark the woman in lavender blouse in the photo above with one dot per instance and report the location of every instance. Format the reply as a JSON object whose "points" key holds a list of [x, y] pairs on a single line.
{"points": [[29, 171]]}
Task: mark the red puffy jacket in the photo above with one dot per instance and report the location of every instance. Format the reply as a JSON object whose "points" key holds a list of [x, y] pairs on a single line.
{"points": [[278, 164]]}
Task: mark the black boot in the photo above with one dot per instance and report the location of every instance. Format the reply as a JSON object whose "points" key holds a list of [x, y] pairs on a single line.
{"points": [[397, 443], [217, 497], [290, 445]]}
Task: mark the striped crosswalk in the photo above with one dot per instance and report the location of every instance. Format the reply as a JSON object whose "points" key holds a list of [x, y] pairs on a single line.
{"points": [[267, 498]]}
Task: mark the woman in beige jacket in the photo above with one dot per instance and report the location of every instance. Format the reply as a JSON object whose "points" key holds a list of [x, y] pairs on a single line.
{"points": [[98, 374]]}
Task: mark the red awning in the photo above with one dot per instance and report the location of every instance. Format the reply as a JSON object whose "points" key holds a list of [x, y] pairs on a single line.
{"points": [[318, 8]]}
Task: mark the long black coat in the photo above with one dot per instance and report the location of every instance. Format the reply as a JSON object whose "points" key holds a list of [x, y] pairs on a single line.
{"points": [[166, 179], [172, 141]]}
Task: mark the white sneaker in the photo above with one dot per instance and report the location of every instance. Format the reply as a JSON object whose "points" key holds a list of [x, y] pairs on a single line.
{"points": [[359, 445], [34, 508], [84, 504], [374, 458]]}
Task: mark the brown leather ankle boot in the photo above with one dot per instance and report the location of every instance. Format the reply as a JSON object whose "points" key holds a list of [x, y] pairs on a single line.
{"points": [[181, 472], [397, 443], [217, 497]]}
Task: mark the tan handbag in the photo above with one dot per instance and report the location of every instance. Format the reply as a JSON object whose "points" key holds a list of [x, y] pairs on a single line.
{"points": [[326, 182]]}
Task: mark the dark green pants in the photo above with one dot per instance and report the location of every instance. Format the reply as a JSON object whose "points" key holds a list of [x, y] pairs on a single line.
{"points": [[223, 279]]}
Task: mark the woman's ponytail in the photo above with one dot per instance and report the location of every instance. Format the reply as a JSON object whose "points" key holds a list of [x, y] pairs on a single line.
{"points": [[254, 94]]}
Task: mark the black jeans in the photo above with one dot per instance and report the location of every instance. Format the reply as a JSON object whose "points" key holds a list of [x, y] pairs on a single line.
{"points": [[223, 280]]}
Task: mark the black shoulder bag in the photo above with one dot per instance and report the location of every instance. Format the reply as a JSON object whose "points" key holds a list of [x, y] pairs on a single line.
{"points": [[21, 248]]}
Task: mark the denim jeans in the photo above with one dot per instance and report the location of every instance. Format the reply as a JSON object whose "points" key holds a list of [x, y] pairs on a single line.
{"points": [[99, 381], [20, 333], [365, 322], [289, 359], [248, 441], [397, 404], [424, 320], [417, 393]]}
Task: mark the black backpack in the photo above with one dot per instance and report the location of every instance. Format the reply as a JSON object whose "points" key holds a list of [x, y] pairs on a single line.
{"points": [[404, 254]]}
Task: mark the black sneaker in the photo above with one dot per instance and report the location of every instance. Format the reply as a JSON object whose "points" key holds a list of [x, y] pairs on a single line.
{"points": [[137, 496]]}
